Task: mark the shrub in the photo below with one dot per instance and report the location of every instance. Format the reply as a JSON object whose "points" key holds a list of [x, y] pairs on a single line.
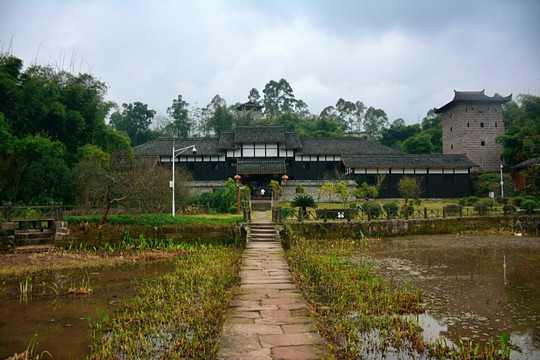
{"points": [[410, 209], [517, 201], [509, 209], [501, 200], [233, 209], [462, 201], [526, 204], [488, 203], [471, 200], [373, 208], [391, 208], [286, 211], [481, 208], [453, 209]]}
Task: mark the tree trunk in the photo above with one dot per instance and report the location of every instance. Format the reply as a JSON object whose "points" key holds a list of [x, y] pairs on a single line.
{"points": [[103, 218]]}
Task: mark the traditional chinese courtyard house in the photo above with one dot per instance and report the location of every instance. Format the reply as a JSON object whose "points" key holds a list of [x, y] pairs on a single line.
{"points": [[260, 154]]}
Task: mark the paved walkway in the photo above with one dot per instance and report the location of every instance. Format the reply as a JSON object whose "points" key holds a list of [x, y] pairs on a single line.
{"points": [[268, 318]]}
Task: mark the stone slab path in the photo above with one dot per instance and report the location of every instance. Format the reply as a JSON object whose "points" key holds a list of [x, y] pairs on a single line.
{"points": [[267, 318]]}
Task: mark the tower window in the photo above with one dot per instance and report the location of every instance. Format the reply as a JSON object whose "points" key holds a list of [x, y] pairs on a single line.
{"points": [[451, 146], [450, 128], [481, 124], [483, 143], [467, 124], [495, 124]]}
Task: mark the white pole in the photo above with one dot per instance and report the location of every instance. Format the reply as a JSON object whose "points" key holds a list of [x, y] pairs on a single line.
{"points": [[173, 208], [502, 183]]}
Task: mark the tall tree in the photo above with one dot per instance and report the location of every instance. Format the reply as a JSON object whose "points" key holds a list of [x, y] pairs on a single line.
{"points": [[134, 120], [221, 120], [375, 121], [254, 96], [397, 133], [279, 98], [181, 122]]}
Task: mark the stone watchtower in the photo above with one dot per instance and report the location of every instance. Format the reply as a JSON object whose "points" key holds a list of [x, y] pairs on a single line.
{"points": [[470, 124]]}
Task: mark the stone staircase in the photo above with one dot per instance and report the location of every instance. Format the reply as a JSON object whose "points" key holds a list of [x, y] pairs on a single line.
{"points": [[261, 205]]}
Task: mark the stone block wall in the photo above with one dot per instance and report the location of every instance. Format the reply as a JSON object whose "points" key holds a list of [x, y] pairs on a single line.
{"points": [[471, 129]]}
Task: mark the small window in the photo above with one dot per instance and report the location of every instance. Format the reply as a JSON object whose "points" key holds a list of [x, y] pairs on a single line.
{"points": [[467, 124], [495, 124], [483, 143], [481, 125], [450, 128], [451, 146]]}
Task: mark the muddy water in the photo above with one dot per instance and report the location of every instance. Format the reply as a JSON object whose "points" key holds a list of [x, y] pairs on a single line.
{"points": [[473, 287], [61, 322]]}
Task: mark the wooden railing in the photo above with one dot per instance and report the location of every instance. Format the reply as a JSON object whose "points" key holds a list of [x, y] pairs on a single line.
{"points": [[347, 215]]}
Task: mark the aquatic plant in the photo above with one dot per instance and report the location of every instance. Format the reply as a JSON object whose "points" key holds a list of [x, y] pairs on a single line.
{"points": [[359, 315], [179, 317]]}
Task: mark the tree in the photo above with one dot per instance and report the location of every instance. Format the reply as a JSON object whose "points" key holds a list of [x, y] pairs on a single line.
{"points": [[521, 139], [254, 96], [179, 112], [375, 121], [222, 120], [397, 133], [47, 179], [342, 192], [366, 191], [134, 120], [274, 184], [409, 187], [327, 189], [418, 144], [279, 98]]}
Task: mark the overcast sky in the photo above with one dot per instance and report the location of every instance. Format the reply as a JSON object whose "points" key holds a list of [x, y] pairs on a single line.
{"points": [[404, 57]]}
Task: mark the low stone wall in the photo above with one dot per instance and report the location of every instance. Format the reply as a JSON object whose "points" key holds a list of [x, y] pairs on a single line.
{"points": [[524, 224], [91, 235], [312, 187]]}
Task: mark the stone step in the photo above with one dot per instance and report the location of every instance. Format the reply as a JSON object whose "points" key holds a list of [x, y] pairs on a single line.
{"points": [[31, 249]]}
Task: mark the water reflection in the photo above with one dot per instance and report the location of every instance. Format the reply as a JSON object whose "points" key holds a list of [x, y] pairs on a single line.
{"points": [[468, 290], [61, 321]]}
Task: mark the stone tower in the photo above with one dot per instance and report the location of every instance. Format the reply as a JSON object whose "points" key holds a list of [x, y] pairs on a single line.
{"points": [[470, 124]]}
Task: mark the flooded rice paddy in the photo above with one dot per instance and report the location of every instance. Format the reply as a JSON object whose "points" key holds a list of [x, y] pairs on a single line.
{"points": [[474, 287], [61, 320]]}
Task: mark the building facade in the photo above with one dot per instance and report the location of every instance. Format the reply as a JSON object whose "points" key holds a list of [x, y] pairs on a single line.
{"points": [[470, 124], [260, 154]]}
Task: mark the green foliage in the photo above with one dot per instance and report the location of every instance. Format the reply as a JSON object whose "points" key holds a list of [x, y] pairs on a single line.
{"points": [[342, 192], [179, 112], [327, 189], [274, 184], [409, 187], [300, 189], [375, 120], [418, 144], [221, 120], [233, 209], [158, 219], [529, 204], [134, 120], [521, 139], [304, 201], [517, 201], [366, 191], [373, 208], [48, 179], [392, 208]]}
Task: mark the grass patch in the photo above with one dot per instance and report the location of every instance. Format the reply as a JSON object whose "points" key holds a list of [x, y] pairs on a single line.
{"points": [[159, 219], [179, 317], [357, 312]]}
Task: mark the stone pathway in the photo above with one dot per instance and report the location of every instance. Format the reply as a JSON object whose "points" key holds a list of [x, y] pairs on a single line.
{"points": [[268, 318]]}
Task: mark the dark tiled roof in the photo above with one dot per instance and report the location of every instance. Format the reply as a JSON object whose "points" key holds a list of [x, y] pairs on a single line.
{"points": [[474, 96], [226, 141], [407, 161], [527, 163], [343, 145], [261, 167], [248, 106], [164, 146], [292, 140], [259, 134]]}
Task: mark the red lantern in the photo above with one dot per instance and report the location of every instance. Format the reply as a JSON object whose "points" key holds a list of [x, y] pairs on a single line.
{"points": [[284, 178], [237, 178]]}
